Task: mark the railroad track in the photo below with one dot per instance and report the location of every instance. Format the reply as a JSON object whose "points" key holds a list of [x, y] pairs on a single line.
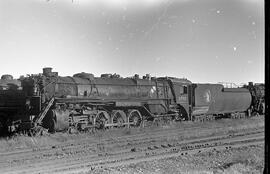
{"points": [[157, 152], [92, 143], [84, 158]]}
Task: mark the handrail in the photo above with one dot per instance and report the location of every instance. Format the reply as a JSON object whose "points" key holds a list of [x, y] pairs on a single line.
{"points": [[44, 112]]}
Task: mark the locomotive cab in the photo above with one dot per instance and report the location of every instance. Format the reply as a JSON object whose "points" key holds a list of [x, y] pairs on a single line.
{"points": [[181, 89]]}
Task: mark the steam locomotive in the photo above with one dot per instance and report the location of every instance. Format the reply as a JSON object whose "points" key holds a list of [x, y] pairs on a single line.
{"points": [[84, 102]]}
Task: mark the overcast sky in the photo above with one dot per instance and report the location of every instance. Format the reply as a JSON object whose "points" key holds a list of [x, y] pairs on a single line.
{"points": [[204, 41]]}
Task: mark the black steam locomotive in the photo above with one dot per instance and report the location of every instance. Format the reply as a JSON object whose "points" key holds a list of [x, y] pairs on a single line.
{"points": [[84, 101]]}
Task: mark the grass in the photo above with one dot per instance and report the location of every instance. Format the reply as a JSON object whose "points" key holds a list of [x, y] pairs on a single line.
{"points": [[223, 126], [244, 163]]}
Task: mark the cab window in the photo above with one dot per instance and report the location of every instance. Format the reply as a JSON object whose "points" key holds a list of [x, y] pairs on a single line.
{"points": [[183, 89]]}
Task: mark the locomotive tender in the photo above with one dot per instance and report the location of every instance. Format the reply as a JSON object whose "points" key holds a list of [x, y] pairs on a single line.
{"points": [[84, 101], [12, 101]]}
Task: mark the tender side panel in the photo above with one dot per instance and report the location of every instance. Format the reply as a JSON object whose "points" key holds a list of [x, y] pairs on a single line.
{"points": [[214, 99], [231, 100], [205, 95]]}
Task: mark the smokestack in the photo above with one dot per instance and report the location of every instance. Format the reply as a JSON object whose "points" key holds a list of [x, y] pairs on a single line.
{"points": [[47, 71]]}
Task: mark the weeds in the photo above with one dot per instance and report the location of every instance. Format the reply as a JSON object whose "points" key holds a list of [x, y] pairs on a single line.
{"points": [[21, 141]]}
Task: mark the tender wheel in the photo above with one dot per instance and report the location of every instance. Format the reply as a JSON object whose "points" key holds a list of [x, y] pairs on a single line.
{"points": [[119, 117], [102, 118], [134, 118]]}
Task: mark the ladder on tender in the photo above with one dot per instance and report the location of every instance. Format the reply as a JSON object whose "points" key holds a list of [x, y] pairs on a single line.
{"points": [[44, 112]]}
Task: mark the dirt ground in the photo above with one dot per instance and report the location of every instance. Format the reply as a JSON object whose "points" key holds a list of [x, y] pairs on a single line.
{"points": [[224, 126], [24, 154], [234, 161]]}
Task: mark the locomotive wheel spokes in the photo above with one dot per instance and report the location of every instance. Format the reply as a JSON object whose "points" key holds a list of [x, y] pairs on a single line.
{"points": [[102, 118], [119, 117], [134, 118]]}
